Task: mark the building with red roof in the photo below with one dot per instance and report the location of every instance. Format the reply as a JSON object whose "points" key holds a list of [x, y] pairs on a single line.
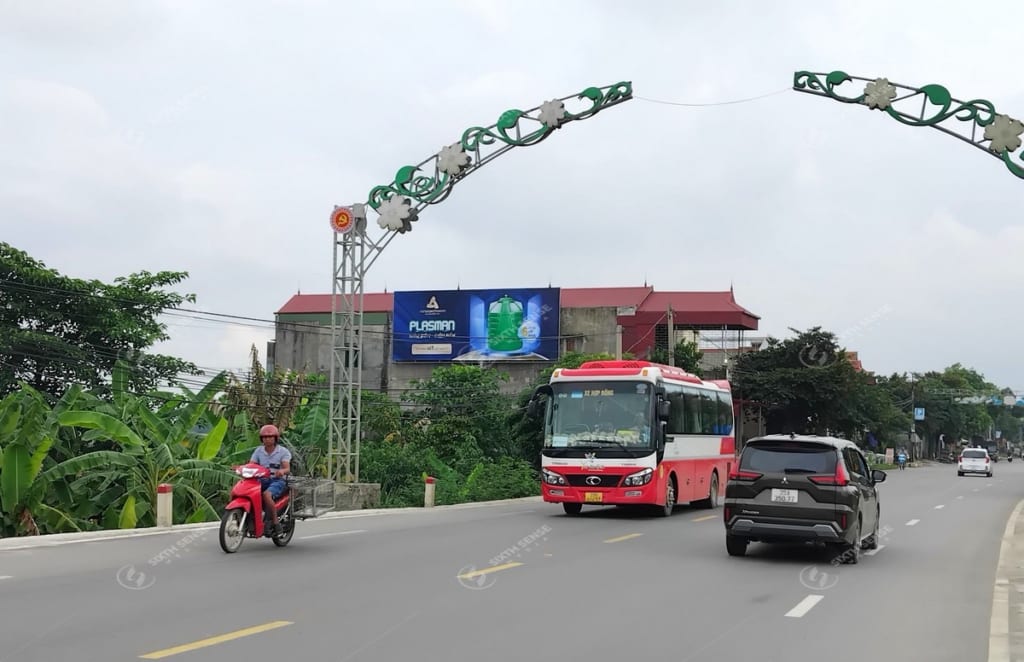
{"points": [[633, 320]]}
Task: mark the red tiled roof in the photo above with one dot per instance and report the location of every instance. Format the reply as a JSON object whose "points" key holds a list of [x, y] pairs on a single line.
{"points": [[694, 302], [603, 297], [377, 302]]}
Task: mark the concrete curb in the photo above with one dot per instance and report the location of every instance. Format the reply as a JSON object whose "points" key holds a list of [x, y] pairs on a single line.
{"points": [[57, 539], [1005, 626]]}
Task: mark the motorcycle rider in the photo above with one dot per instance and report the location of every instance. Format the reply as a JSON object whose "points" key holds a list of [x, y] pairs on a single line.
{"points": [[277, 458]]}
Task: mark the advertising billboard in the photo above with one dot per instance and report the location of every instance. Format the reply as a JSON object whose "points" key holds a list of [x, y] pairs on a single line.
{"points": [[476, 325]]}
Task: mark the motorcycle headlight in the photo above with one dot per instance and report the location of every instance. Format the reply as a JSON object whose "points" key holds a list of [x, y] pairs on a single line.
{"points": [[639, 478], [551, 478]]}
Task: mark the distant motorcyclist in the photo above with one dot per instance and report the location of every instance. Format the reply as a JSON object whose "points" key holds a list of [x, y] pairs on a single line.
{"points": [[901, 460], [277, 458]]}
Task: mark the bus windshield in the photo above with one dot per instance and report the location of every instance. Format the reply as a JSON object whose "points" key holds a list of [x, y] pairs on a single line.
{"points": [[589, 414]]}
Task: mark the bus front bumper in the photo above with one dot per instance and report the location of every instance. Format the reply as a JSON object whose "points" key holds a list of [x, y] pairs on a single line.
{"points": [[601, 496]]}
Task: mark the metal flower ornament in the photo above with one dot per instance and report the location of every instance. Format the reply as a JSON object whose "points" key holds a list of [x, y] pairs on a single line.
{"points": [[430, 181], [975, 122]]}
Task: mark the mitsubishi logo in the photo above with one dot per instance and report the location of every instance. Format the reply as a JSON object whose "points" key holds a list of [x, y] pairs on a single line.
{"points": [[593, 480], [785, 481]]}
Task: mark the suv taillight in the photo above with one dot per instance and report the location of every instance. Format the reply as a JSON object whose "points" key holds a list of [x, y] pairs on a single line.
{"points": [[839, 478], [736, 474]]}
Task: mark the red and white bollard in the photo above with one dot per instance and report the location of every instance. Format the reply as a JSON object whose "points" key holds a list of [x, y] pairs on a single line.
{"points": [[428, 493], [164, 505]]}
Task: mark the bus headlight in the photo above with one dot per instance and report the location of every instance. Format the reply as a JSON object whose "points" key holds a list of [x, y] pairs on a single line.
{"points": [[639, 478], [551, 478]]}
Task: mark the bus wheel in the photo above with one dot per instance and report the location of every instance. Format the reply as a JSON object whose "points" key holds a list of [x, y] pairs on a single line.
{"points": [[712, 500], [670, 497], [572, 508]]}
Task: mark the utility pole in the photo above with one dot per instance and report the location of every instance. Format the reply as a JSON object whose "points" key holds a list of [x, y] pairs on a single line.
{"points": [[671, 337], [618, 342]]}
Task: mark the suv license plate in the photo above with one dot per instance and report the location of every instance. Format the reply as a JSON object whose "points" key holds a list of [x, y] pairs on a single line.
{"points": [[784, 496]]}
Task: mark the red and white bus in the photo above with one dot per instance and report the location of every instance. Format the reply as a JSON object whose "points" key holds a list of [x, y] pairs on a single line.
{"points": [[634, 432]]}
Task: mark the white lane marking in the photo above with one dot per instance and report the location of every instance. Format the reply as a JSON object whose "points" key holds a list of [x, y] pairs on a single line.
{"points": [[976, 489], [939, 507], [913, 522], [805, 606], [872, 552], [6, 577], [333, 533], [960, 497]]}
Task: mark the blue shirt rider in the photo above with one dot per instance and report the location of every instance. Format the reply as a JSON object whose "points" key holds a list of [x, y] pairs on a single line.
{"points": [[277, 458]]}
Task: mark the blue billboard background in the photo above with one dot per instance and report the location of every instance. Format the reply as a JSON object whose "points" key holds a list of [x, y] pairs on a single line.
{"points": [[476, 325]]}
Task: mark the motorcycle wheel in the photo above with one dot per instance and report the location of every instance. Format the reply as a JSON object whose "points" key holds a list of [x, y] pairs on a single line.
{"points": [[231, 532], [287, 531]]}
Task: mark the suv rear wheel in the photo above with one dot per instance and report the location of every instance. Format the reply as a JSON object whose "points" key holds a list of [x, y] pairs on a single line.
{"points": [[851, 552], [735, 545], [871, 542]]}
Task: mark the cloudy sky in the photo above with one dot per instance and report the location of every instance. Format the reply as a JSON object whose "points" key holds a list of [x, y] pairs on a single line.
{"points": [[215, 138]]}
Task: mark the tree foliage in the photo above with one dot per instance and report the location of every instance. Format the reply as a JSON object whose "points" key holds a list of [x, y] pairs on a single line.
{"points": [[806, 384], [688, 356], [56, 331]]}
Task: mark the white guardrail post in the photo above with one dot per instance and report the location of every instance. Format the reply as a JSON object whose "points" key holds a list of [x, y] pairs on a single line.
{"points": [[164, 505], [428, 492]]}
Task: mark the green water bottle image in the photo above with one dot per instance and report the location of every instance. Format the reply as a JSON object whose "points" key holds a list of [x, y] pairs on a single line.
{"points": [[503, 320]]}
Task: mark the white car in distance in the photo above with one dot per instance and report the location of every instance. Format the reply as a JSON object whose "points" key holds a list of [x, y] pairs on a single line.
{"points": [[974, 461]]}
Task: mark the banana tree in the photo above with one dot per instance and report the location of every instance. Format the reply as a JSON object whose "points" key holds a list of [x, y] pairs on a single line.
{"points": [[157, 447], [31, 498]]}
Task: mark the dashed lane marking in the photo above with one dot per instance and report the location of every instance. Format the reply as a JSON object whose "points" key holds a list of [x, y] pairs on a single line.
{"points": [[805, 606], [913, 522], [939, 507], [626, 537], [705, 518], [212, 641], [493, 568], [872, 552]]}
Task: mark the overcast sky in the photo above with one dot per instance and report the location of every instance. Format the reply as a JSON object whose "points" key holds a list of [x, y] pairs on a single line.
{"points": [[215, 138]]}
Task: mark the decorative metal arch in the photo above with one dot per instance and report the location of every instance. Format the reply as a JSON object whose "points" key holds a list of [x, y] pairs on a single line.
{"points": [[398, 205], [979, 123]]}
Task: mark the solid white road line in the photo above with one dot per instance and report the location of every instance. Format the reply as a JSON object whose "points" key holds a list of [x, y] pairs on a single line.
{"points": [[6, 577], [333, 533], [805, 606], [913, 522], [872, 552], [939, 507]]}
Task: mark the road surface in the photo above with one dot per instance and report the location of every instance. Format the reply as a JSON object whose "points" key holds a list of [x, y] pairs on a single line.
{"points": [[605, 586]]}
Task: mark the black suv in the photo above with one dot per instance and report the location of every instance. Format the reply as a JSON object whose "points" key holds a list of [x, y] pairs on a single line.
{"points": [[791, 488]]}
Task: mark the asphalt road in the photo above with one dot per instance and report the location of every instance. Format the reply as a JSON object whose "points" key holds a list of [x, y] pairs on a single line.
{"points": [[606, 586]]}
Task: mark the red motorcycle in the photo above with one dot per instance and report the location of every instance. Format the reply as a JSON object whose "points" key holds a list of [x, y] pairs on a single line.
{"points": [[244, 517]]}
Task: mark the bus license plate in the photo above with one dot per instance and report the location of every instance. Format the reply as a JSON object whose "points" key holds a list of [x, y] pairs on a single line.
{"points": [[593, 497], [784, 496]]}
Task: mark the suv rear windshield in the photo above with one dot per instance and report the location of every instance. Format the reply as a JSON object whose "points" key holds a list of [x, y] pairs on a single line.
{"points": [[977, 454], [795, 457]]}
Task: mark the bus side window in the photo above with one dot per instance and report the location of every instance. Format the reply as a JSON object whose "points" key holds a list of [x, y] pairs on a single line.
{"points": [[691, 397], [725, 417], [677, 409], [708, 413]]}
